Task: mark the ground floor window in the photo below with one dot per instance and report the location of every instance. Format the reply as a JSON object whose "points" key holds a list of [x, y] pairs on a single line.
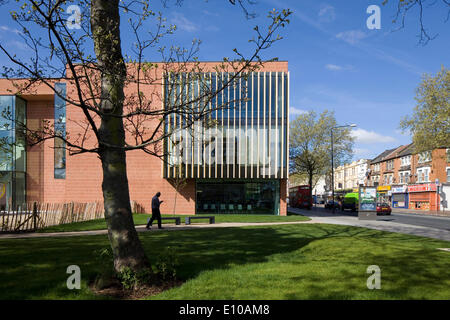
{"points": [[423, 200], [383, 197], [400, 200], [234, 197], [12, 190]]}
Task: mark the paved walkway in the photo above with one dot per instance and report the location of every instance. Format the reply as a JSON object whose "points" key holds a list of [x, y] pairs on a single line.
{"points": [[382, 223], [317, 216], [141, 228], [422, 212]]}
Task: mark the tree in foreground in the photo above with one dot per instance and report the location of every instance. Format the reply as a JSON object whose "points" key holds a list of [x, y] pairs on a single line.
{"points": [[97, 69], [310, 146], [429, 125]]}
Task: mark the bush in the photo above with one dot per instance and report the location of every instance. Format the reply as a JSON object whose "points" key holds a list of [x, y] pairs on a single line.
{"points": [[166, 263], [164, 269], [105, 270], [128, 278]]}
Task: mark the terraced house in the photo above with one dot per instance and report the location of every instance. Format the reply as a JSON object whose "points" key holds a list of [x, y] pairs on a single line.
{"points": [[236, 163], [409, 180]]}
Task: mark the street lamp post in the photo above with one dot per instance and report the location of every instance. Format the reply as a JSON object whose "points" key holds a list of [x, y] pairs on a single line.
{"points": [[332, 160]]}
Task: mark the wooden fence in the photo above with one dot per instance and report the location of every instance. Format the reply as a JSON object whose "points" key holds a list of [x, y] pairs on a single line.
{"points": [[35, 216]]}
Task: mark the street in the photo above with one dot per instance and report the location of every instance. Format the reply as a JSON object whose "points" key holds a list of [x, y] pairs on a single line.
{"points": [[421, 220]]}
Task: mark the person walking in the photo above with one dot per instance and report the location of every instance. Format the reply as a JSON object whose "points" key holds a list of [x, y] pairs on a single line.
{"points": [[156, 214]]}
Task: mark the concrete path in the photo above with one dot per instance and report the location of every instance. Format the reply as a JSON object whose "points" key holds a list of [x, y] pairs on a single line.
{"points": [[422, 212], [317, 216], [141, 228], [382, 223]]}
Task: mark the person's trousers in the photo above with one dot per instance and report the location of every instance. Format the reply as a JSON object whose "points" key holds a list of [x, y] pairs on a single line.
{"points": [[155, 215]]}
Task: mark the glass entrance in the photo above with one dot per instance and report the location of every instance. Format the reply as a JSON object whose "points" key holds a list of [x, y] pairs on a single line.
{"points": [[12, 152], [238, 197]]}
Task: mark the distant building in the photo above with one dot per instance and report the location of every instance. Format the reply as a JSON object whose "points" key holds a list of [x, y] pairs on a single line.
{"points": [[406, 179], [351, 175]]}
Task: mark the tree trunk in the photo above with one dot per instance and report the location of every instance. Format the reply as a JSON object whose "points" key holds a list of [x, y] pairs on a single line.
{"points": [[125, 243]]}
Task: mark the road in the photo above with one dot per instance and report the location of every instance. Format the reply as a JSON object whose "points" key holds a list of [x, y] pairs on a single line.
{"points": [[422, 220], [413, 224]]}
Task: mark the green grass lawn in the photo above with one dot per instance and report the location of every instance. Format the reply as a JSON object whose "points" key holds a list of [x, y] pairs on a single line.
{"points": [[141, 219], [310, 261]]}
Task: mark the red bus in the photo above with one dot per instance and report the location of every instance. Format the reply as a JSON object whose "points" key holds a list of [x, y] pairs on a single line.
{"points": [[300, 197]]}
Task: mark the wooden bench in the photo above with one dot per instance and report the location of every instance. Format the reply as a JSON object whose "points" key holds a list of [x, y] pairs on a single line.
{"points": [[177, 219], [212, 219]]}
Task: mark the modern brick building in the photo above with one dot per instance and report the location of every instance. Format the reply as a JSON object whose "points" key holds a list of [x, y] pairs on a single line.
{"points": [[239, 167]]}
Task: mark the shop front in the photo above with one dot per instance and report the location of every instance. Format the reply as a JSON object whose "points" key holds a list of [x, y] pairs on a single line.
{"points": [[384, 194], [400, 197], [423, 196]]}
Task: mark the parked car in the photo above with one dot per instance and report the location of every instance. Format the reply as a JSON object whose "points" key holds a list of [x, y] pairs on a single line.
{"points": [[329, 204], [383, 209]]}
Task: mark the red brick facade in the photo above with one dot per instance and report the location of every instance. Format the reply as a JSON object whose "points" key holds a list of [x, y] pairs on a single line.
{"points": [[436, 168], [84, 173]]}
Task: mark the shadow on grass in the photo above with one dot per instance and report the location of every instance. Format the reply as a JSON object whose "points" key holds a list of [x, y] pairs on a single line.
{"points": [[36, 268]]}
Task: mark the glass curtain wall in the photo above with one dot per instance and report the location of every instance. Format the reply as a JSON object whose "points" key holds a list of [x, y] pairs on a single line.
{"points": [[12, 152], [244, 133]]}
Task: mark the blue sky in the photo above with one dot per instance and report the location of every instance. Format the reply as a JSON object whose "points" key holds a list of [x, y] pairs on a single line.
{"points": [[367, 77]]}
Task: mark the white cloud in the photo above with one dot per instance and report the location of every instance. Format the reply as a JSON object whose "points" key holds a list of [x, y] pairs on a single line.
{"points": [[352, 36], [183, 23], [327, 13], [18, 44], [8, 29], [359, 151], [209, 13], [371, 137], [334, 67], [293, 111]]}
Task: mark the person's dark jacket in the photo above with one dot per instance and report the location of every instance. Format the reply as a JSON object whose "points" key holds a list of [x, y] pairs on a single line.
{"points": [[155, 203]]}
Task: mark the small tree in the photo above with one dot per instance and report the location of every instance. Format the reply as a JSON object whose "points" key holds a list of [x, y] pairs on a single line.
{"points": [[310, 145], [430, 122], [97, 70]]}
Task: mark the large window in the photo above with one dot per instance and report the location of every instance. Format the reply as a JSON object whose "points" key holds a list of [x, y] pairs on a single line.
{"points": [[423, 174], [388, 179], [243, 135], [405, 161], [404, 177], [12, 152], [245, 197], [390, 165], [424, 157], [60, 130]]}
